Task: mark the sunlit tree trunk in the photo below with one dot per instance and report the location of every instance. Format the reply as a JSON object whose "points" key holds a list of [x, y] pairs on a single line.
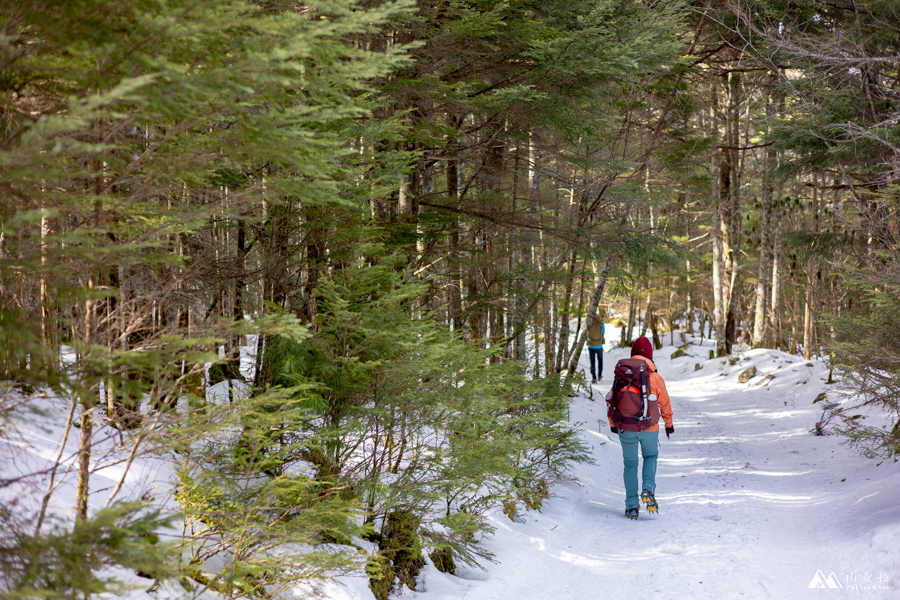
{"points": [[88, 400], [730, 211], [760, 320], [46, 314], [717, 283], [565, 313], [775, 298], [454, 274]]}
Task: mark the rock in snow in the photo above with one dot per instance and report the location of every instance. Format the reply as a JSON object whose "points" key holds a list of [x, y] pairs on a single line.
{"points": [[747, 375]]}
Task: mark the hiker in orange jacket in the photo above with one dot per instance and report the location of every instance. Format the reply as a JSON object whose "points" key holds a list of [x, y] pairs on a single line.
{"points": [[647, 437]]}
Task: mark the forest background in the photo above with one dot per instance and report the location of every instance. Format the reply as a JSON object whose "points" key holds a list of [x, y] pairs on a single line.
{"points": [[408, 213]]}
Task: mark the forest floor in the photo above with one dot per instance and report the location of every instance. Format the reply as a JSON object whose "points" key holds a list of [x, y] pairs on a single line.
{"points": [[751, 503]]}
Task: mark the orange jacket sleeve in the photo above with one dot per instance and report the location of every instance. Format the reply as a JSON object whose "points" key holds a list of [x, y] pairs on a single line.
{"points": [[658, 387]]}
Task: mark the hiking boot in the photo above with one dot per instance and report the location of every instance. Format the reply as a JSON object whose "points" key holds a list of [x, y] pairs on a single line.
{"points": [[650, 500], [593, 381], [631, 513]]}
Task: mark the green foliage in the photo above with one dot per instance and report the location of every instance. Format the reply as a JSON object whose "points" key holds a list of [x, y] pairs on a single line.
{"points": [[400, 543], [834, 122], [140, 140], [407, 415], [126, 137], [381, 576], [443, 560], [247, 498], [64, 563], [867, 351], [131, 133]]}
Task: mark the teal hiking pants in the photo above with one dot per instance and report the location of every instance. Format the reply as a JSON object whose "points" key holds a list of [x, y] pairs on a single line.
{"points": [[649, 443]]}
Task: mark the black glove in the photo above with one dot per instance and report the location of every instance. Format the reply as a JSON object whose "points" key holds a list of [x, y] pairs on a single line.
{"points": [[669, 431], [613, 429]]}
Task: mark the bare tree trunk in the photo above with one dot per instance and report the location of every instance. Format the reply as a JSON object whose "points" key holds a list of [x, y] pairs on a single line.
{"points": [[404, 199], [89, 390], [731, 204], [554, 326], [654, 332], [578, 311], [515, 301], [726, 213], [671, 314], [525, 252], [454, 272], [472, 299], [645, 323], [836, 292], [542, 255], [565, 313], [237, 310], [494, 290], [553, 317], [775, 299], [46, 315], [84, 459], [795, 318], [718, 300], [315, 253], [765, 245], [721, 172], [627, 332], [88, 402], [808, 314], [689, 284]]}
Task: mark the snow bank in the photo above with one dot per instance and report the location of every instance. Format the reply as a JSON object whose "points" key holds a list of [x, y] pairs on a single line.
{"points": [[751, 503]]}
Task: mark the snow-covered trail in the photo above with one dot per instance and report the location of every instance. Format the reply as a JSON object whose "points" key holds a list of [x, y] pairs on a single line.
{"points": [[751, 504]]}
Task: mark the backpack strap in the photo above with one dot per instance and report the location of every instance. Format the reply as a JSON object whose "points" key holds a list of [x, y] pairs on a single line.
{"points": [[644, 395]]}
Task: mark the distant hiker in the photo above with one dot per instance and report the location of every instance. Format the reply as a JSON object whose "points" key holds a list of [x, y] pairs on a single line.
{"points": [[596, 340], [636, 401]]}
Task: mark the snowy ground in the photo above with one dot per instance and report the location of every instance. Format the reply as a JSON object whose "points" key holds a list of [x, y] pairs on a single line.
{"points": [[751, 504]]}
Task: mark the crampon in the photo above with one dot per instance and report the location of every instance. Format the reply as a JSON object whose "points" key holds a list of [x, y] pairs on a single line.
{"points": [[649, 500]]}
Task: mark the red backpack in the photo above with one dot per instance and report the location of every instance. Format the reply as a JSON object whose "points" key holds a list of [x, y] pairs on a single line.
{"points": [[632, 404]]}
